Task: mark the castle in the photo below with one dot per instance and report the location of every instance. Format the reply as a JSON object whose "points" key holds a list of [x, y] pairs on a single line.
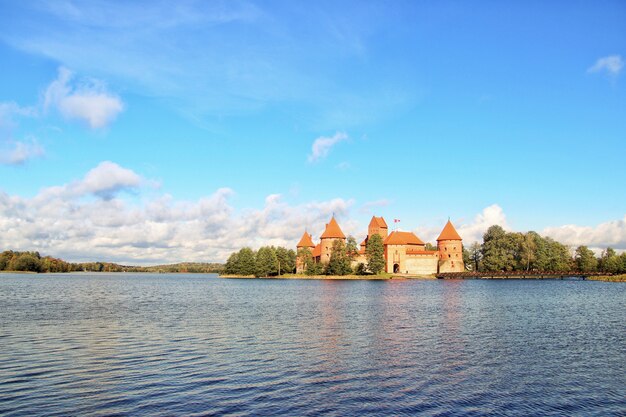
{"points": [[404, 252]]}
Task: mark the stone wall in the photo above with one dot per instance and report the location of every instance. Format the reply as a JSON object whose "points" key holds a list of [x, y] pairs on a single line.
{"points": [[421, 264]]}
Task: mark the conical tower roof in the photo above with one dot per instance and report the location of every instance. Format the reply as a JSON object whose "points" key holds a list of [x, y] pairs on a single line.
{"points": [[333, 230], [449, 233], [305, 241]]}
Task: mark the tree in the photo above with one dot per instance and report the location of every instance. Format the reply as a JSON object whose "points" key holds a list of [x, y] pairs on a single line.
{"points": [[339, 263], [232, 264], [495, 252], [26, 262], [609, 261], [527, 250], [266, 262], [352, 250], [375, 253], [360, 269], [475, 255], [286, 260], [467, 259], [430, 246], [311, 267], [246, 262], [585, 259]]}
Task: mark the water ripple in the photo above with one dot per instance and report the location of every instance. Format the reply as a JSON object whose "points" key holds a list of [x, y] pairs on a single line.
{"points": [[197, 345]]}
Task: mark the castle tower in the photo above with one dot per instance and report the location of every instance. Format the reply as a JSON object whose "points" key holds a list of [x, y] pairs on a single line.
{"points": [[378, 226], [450, 247], [306, 242], [331, 233]]}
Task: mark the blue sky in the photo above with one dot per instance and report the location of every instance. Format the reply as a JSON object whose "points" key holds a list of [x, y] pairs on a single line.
{"points": [[245, 122]]}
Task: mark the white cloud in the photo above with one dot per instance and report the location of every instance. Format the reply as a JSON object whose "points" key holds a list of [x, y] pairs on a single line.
{"points": [[612, 64], [8, 111], [59, 222], [472, 231], [322, 145], [18, 152], [104, 181], [611, 233], [88, 101]]}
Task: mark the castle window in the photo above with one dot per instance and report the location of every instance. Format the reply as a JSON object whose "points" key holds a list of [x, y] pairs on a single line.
{"points": [[449, 256], [446, 248]]}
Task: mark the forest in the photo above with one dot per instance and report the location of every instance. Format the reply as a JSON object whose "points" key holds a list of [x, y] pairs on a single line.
{"points": [[34, 262]]}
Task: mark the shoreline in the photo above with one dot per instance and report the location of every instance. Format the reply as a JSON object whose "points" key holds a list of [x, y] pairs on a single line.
{"points": [[336, 277]]}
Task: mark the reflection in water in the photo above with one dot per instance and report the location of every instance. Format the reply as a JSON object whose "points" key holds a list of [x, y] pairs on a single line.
{"points": [[195, 344]]}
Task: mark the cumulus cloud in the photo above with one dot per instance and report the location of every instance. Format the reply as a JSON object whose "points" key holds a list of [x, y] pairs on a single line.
{"points": [[88, 101], [104, 181], [19, 152], [322, 145], [60, 222], [611, 64], [470, 231], [611, 233]]}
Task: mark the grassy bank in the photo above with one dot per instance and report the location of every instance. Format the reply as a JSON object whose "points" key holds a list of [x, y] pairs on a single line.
{"points": [[609, 278], [383, 276]]}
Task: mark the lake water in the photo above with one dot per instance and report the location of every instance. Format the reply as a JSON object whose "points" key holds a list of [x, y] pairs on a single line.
{"points": [[200, 345]]}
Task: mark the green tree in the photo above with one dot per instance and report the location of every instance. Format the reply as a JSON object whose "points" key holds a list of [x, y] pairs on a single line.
{"points": [[528, 249], [286, 260], [585, 259], [375, 254], [311, 267], [475, 251], [430, 246], [246, 262], [360, 269], [352, 250], [232, 264], [266, 262], [496, 254], [26, 262], [609, 261], [339, 263]]}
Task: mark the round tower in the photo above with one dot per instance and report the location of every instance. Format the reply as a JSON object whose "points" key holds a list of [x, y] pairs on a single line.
{"points": [[331, 233], [450, 247], [306, 242]]}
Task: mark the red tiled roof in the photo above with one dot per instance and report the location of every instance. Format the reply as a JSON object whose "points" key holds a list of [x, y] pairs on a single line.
{"points": [[305, 241], [421, 252], [449, 233], [402, 238], [317, 251], [333, 230], [378, 221]]}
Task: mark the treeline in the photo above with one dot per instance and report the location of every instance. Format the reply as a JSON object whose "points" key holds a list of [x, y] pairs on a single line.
{"points": [[514, 251], [34, 262], [342, 256], [271, 261], [268, 261]]}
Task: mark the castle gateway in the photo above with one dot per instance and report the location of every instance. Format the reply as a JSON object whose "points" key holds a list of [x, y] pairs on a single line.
{"points": [[404, 252]]}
